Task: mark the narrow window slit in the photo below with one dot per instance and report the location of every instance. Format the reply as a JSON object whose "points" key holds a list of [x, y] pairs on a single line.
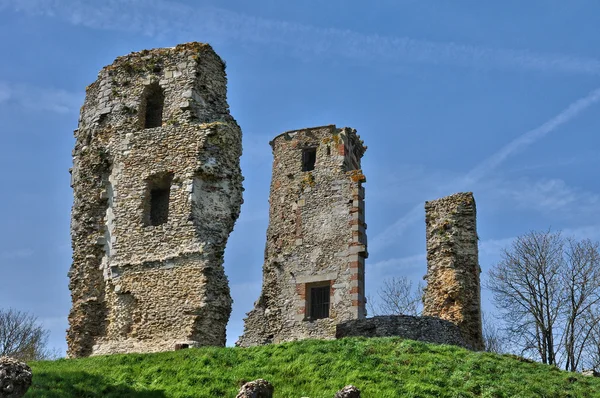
{"points": [[156, 206], [153, 104], [309, 158]]}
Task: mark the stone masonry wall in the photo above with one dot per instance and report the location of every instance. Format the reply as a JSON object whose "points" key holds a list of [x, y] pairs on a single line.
{"points": [[421, 328], [157, 189], [316, 237], [453, 289]]}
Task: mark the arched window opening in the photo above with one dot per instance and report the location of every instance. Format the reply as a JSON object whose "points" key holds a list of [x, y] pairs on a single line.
{"points": [[153, 104]]}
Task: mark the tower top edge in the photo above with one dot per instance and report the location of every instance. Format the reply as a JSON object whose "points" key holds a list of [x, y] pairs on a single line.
{"points": [[323, 130], [181, 50]]}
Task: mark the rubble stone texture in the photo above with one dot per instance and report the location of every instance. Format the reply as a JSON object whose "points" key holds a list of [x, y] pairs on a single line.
{"points": [[15, 378], [421, 328], [157, 189], [259, 388], [316, 240], [590, 372], [453, 290], [348, 392]]}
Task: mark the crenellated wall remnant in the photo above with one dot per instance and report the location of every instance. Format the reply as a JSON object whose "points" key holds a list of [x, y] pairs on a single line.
{"points": [[313, 274], [453, 289], [157, 190]]}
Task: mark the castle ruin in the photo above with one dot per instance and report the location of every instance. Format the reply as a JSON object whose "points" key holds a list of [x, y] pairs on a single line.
{"points": [[453, 292], [157, 189], [313, 274]]}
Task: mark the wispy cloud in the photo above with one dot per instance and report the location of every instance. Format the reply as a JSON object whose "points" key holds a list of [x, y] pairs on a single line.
{"points": [[403, 265], [4, 92], [493, 247], [525, 140], [16, 254], [39, 98], [475, 175], [586, 232], [549, 195], [161, 18]]}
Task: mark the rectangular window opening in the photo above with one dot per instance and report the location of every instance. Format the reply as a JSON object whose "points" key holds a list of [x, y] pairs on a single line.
{"points": [[159, 205], [153, 104], [319, 301], [156, 206], [309, 157]]}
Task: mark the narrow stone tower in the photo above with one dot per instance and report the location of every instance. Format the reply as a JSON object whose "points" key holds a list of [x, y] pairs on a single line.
{"points": [[313, 275], [453, 290], [157, 189]]}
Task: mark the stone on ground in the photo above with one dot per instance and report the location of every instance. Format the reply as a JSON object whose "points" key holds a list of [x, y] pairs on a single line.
{"points": [[259, 388], [349, 391], [15, 378]]}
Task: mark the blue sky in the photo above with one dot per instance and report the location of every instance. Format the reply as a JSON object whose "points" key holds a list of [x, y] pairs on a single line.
{"points": [[499, 98]]}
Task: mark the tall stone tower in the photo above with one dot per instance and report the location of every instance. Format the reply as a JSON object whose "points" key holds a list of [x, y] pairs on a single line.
{"points": [[453, 290], [157, 189], [313, 275]]}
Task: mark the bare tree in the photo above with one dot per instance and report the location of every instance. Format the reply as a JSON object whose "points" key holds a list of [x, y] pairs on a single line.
{"points": [[397, 297], [581, 283], [548, 291], [493, 339], [592, 359], [527, 289], [22, 337]]}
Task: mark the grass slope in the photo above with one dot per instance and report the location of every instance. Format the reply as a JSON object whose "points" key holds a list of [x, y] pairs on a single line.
{"points": [[381, 367]]}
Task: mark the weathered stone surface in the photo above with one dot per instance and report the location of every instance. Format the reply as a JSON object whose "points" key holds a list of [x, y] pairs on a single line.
{"points": [[348, 392], [422, 328], [453, 289], [15, 378], [256, 389], [157, 189], [590, 373], [316, 240]]}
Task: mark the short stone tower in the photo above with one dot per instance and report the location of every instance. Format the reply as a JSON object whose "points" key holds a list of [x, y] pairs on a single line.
{"points": [[313, 275], [453, 291], [157, 189]]}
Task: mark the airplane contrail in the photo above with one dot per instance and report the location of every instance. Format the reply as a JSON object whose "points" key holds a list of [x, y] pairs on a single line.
{"points": [[394, 231]]}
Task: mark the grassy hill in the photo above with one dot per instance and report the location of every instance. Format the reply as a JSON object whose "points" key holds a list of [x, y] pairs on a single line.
{"points": [[382, 367]]}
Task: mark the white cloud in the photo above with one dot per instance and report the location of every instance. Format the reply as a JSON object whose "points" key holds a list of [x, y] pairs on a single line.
{"points": [[161, 18], [40, 98], [494, 247], [399, 265], [16, 254], [550, 196], [584, 232], [5, 92]]}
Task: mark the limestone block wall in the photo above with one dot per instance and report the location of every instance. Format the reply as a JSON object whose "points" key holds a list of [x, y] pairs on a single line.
{"points": [[316, 239], [453, 288], [157, 189]]}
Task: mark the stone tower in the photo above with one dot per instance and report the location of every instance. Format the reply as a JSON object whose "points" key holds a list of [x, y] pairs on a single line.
{"points": [[157, 189], [313, 275], [453, 291]]}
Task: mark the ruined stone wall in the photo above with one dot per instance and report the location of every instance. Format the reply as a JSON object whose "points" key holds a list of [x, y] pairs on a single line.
{"points": [[316, 237], [453, 290], [421, 328], [157, 189]]}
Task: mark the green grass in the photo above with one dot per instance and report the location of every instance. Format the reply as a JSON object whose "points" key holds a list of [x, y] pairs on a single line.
{"points": [[380, 367]]}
